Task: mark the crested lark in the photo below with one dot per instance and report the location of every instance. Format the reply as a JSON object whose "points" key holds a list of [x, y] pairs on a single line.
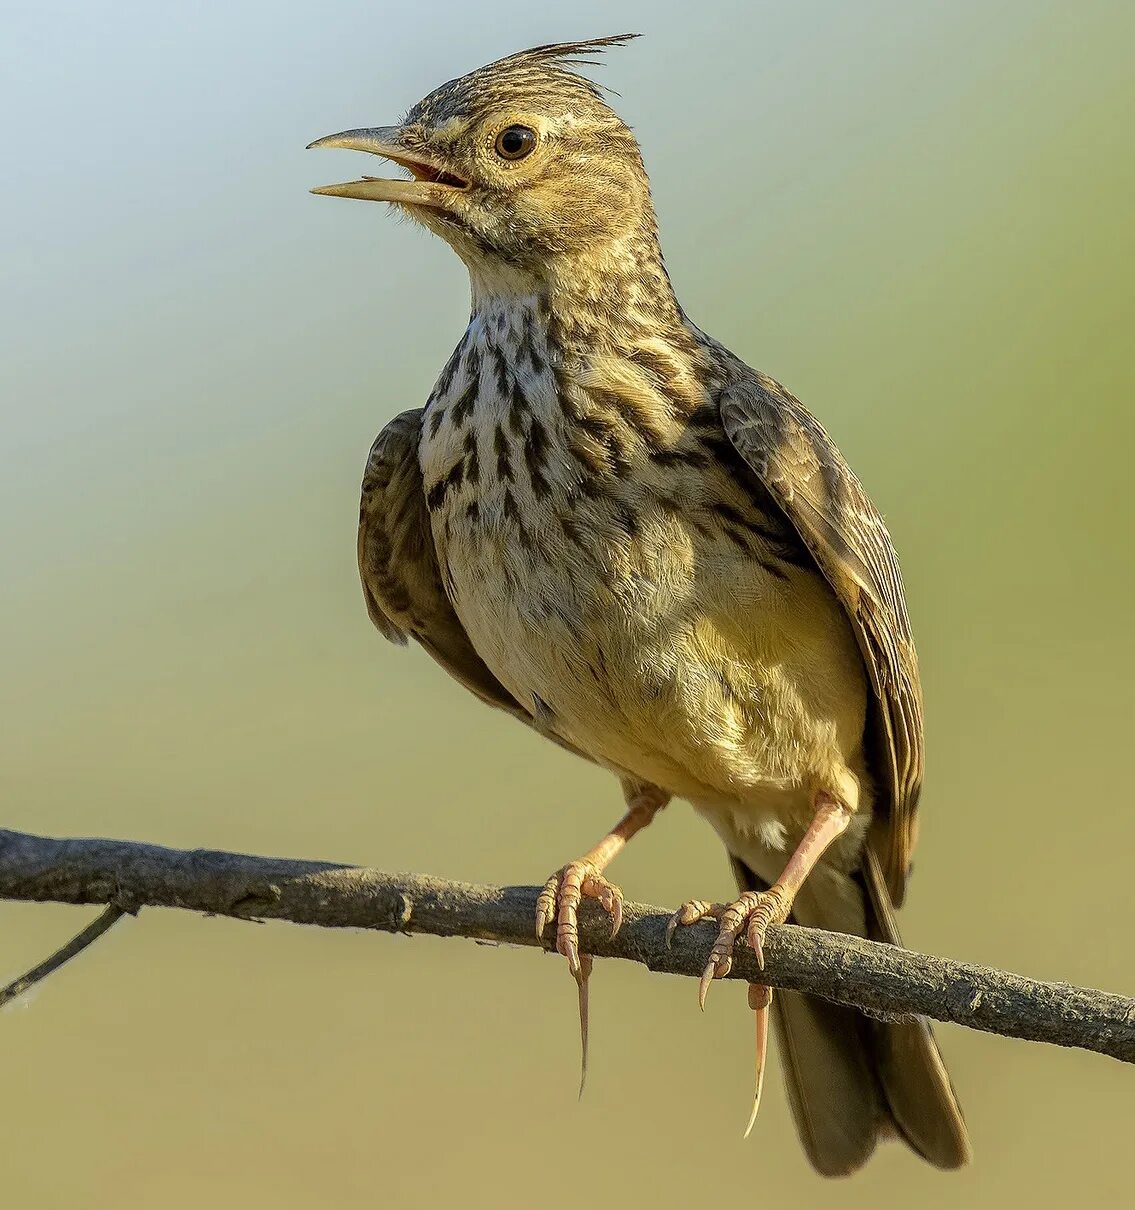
{"points": [[606, 524]]}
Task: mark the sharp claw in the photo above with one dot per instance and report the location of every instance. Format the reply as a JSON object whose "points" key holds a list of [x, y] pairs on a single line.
{"points": [[760, 998], [715, 968], [671, 928], [582, 980], [616, 917], [758, 952], [704, 982]]}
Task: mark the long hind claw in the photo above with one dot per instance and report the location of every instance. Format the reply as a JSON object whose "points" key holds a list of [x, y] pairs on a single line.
{"points": [[757, 910], [582, 981], [760, 1001]]}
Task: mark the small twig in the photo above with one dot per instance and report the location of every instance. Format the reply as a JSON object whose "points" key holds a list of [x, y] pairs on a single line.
{"points": [[882, 980], [65, 953]]}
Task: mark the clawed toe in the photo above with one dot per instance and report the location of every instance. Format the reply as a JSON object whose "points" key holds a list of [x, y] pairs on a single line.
{"points": [[752, 914], [559, 900], [770, 909], [690, 913], [720, 959]]}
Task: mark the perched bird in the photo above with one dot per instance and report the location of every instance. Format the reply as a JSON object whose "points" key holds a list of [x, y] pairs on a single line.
{"points": [[607, 525]]}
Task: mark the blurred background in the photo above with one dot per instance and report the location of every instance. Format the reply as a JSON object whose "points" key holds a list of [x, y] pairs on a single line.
{"points": [[917, 216]]}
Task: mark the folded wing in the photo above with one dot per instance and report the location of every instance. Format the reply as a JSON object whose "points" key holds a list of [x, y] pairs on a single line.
{"points": [[787, 449], [399, 569]]}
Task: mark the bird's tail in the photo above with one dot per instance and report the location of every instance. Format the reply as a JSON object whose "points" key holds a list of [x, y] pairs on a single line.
{"points": [[852, 1080]]}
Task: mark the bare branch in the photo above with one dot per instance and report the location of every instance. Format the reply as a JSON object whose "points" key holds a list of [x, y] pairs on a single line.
{"points": [[882, 980]]}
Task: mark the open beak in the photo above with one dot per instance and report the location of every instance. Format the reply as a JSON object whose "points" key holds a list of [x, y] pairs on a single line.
{"points": [[432, 185]]}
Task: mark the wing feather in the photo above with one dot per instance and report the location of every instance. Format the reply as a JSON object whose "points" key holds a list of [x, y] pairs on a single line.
{"points": [[398, 564], [792, 455]]}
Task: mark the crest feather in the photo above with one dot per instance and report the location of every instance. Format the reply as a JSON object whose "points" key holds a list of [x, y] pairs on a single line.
{"points": [[562, 57], [571, 54], [537, 69]]}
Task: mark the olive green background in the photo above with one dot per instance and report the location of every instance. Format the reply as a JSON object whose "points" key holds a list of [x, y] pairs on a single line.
{"points": [[918, 216]]}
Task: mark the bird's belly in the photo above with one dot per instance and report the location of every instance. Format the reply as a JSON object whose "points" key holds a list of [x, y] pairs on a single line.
{"points": [[663, 654]]}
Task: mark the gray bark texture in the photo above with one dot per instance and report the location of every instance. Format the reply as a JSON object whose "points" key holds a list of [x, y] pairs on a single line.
{"points": [[882, 980]]}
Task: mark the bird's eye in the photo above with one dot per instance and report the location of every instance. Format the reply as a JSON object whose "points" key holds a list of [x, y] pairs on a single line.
{"points": [[515, 142]]}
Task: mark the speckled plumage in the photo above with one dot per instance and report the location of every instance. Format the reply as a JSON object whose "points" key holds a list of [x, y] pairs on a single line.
{"points": [[606, 524]]}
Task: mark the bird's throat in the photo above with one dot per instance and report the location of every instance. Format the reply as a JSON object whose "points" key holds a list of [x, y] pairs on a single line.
{"points": [[612, 297]]}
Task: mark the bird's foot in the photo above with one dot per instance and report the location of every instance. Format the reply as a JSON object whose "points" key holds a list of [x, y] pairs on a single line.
{"points": [[753, 913], [559, 901]]}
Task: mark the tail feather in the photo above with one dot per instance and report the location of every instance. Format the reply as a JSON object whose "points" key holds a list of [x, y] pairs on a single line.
{"points": [[852, 1080], [919, 1093], [831, 1087]]}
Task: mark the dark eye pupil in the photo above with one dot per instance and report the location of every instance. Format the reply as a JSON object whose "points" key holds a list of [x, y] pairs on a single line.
{"points": [[516, 142]]}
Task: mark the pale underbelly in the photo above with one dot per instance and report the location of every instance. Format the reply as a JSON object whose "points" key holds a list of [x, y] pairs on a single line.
{"points": [[738, 691]]}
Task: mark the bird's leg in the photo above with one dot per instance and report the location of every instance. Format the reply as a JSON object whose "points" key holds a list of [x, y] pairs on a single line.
{"points": [[584, 879], [755, 911]]}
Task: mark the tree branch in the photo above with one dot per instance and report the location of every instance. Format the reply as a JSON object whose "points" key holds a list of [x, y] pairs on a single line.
{"points": [[882, 980]]}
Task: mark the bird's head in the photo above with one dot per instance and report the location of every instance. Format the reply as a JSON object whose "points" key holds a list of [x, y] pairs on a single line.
{"points": [[516, 165]]}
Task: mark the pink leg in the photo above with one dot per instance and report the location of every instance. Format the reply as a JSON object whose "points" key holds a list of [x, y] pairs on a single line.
{"points": [[754, 911]]}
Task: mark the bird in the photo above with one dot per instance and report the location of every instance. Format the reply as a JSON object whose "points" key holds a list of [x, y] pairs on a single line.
{"points": [[609, 526]]}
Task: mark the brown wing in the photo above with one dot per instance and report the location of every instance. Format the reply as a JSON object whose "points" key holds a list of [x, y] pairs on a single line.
{"points": [[784, 444], [399, 569]]}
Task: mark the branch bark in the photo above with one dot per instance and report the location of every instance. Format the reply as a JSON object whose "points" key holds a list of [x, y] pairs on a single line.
{"points": [[882, 980]]}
